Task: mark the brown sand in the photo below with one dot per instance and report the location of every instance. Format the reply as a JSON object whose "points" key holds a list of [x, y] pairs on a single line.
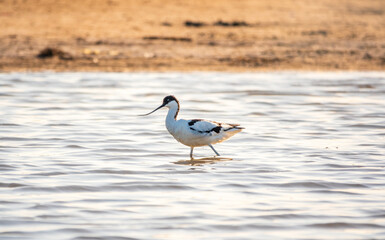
{"points": [[177, 35]]}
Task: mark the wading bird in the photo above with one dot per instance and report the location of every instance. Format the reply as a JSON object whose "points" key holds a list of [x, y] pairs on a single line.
{"points": [[195, 132]]}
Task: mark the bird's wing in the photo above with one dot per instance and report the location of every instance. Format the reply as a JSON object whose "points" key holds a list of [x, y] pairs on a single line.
{"points": [[204, 126]]}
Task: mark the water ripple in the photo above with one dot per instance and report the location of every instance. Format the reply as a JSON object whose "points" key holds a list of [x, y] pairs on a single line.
{"points": [[76, 162]]}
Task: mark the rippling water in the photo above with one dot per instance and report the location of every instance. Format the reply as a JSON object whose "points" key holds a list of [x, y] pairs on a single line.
{"points": [[77, 163]]}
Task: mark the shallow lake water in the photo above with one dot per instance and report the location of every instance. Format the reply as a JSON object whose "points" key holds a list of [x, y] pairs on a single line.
{"points": [[76, 162]]}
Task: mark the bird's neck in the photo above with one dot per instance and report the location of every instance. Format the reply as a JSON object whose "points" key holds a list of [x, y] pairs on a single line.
{"points": [[172, 114]]}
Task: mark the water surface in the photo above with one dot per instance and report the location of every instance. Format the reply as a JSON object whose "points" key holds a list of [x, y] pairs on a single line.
{"points": [[77, 163]]}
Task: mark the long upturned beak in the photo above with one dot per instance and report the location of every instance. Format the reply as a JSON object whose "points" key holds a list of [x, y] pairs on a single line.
{"points": [[154, 110]]}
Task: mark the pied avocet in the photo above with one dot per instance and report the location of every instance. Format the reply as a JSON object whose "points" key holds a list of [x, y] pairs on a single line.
{"points": [[195, 132]]}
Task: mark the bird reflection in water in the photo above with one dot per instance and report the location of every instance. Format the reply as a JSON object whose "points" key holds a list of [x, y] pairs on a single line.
{"points": [[202, 161]]}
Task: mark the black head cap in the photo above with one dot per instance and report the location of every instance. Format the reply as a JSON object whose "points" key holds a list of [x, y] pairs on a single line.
{"points": [[169, 99]]}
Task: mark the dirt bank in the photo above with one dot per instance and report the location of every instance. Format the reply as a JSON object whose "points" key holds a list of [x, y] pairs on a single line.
{"points": [[172, 35]]}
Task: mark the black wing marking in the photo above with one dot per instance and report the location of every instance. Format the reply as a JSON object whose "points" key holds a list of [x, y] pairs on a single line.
{"points": [[215, 129], [233, 126], [193, 121]]}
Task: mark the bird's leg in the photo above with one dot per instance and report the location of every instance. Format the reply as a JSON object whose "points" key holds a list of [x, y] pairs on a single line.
{"points": [[214, 150], [191, 153]]}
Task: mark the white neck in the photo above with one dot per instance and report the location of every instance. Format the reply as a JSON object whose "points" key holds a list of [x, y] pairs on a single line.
{"points": [[171, 115]]}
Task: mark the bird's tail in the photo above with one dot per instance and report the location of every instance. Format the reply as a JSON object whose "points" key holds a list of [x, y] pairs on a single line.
{"points": [[232, 130], [234, 127]]}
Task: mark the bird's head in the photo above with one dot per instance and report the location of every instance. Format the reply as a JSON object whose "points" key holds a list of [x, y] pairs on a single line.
{"points": [[169, 102]]}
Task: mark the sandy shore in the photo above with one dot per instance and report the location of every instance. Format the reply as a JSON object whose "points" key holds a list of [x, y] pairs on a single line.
{"points": [[172, 35]]}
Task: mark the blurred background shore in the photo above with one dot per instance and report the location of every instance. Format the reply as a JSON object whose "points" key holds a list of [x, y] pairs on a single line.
{"points": [[172, 35]]}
